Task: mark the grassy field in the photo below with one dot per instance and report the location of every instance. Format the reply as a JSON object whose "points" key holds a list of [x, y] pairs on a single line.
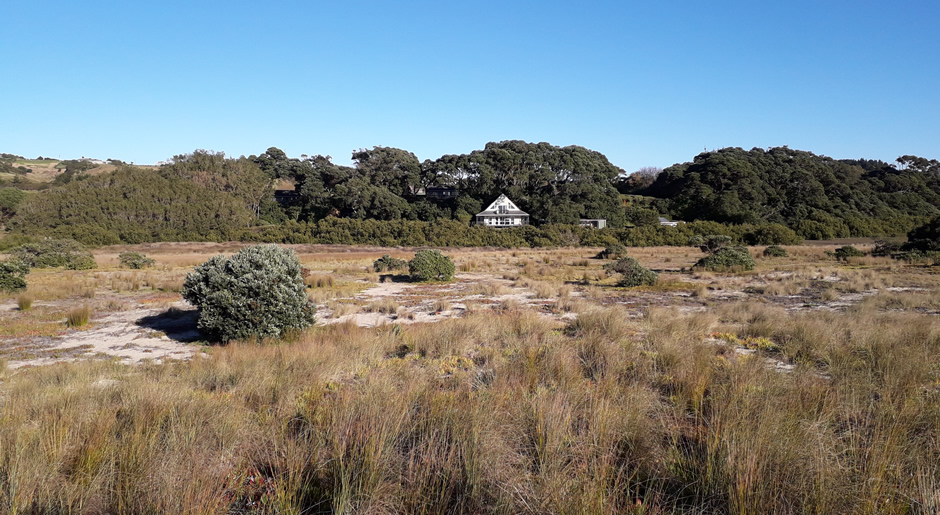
{"points": [[530, 384]]}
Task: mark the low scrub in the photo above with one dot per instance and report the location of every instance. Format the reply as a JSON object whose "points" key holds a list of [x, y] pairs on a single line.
{"points": [[387, 263], [845, 252], [135, 260], [727, 259], [775, 251], [632, 273], [55, 253], [613, 251], [431, 265], [13, 275]]}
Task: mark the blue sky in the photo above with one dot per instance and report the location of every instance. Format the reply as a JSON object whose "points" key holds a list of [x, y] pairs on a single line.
{"points": [[645, 83]]}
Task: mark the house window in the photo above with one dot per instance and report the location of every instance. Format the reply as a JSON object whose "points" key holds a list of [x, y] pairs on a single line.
{"points": [[501, 209]]}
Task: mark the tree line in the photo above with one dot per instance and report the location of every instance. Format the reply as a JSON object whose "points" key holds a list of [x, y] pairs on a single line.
{"points": [[777, 195], [817, 196]]}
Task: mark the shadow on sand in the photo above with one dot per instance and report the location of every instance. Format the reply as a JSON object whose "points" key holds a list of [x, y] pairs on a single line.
{"points": [[177, 324]]}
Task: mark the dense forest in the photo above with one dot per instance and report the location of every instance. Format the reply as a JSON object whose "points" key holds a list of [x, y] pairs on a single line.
{"points": [[818, 197], [775, 196]]}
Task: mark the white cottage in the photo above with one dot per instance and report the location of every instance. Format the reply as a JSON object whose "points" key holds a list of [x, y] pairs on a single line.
{"points": [[502, 213]]}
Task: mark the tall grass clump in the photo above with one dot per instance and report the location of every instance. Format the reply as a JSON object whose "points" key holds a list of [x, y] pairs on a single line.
{"points": [[78, 317], [24, 301]]}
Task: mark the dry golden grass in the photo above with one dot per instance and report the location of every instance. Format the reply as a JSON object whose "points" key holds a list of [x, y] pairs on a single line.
{"points": [[508, 409]]}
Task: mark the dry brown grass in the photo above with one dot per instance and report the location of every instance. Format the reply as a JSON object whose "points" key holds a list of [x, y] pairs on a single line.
{"points": [[509, 409]]}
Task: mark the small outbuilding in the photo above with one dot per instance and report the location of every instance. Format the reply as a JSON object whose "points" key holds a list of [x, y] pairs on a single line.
{"points": [[595, 223], [664, 221], [502, 213]]}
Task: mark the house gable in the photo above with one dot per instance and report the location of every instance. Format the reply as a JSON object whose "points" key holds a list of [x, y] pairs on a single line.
{"points": [[502, 213], [502, 205]]}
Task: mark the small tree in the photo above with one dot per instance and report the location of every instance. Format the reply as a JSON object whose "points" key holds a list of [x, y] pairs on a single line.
{"points": [[13, 275], [386, 263], [431, 265], [135, 260], [775, 251], [256, 293], [634, 274]]}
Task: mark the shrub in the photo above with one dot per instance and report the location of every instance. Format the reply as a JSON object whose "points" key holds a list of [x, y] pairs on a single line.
{"points": [[925, 237], [13, 275], [775, 251], [634, 274], [613, 251], [256, 293], [135, 260], [386, 263], [885, 248], [727, 259], [772, 234], [711, 243], [54, 253], [847, 251], [431, 265]]}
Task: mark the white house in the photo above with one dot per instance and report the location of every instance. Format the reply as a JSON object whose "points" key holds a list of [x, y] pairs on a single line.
{"points": [[502, 213]]}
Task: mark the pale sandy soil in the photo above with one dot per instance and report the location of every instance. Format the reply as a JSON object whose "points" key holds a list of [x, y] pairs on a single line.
{"points": [[131, 336]]}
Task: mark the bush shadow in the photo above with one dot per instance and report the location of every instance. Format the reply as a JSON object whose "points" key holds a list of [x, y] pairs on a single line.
{"points": [[178, 324]]}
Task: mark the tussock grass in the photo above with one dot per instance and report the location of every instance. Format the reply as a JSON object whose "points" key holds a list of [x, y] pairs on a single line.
{"points": [[386, 306], [79, 316], [488, 289], [495, 410], [319, 281], [507, 410], [24, 301]]}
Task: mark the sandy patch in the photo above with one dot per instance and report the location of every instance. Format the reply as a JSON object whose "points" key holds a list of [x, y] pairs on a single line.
{"points": [[131, 336]]}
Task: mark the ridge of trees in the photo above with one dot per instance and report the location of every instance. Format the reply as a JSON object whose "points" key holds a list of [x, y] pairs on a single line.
{"points": [[777, 195], [817, 196]]}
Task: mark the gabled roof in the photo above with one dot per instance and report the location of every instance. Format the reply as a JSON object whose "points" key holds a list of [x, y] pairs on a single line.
{"points": [[502, 200]]}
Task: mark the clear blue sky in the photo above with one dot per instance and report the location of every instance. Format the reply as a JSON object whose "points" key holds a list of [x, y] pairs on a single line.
{"points": [[646, 83]]}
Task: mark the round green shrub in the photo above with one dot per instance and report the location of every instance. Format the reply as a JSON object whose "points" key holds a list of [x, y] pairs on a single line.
{"points": [[386, 263], [256, 293], [634, 274], [727, 259], [135, 260], [775, 251], [13, 275], [431, 265], [847, 251], [613, 251]]}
